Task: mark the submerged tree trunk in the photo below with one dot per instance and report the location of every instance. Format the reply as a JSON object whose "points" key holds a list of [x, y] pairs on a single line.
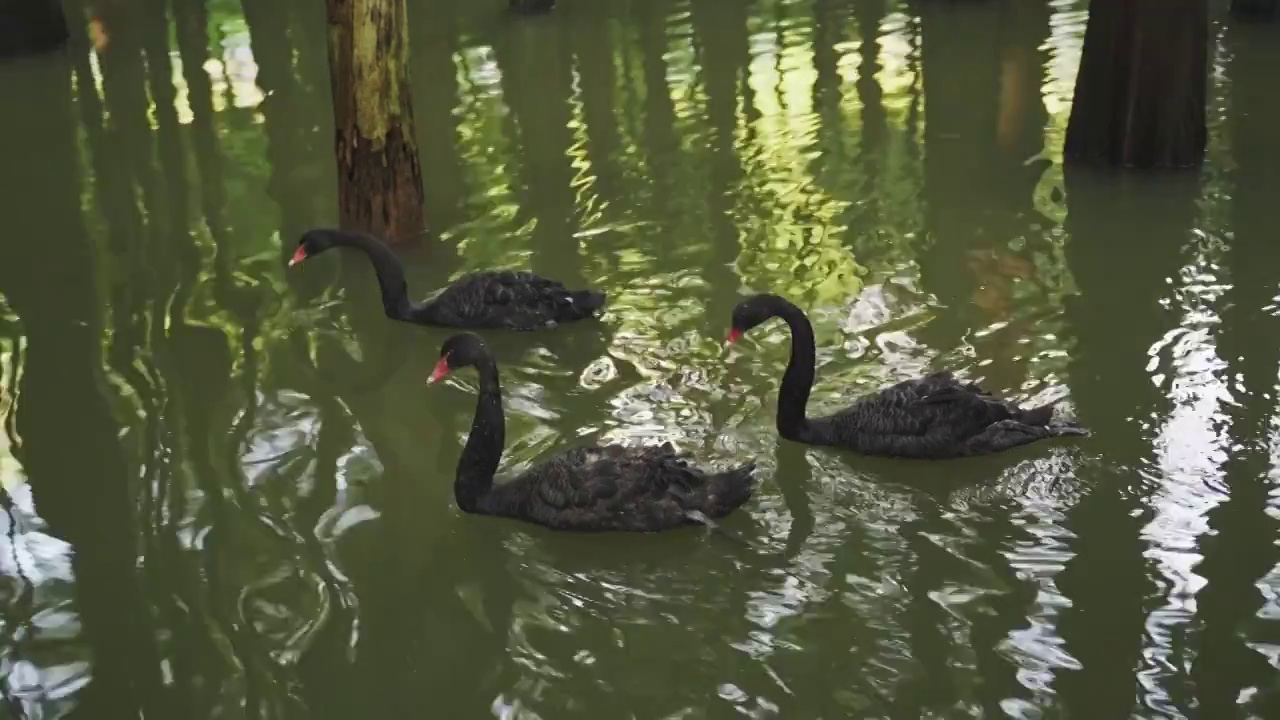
{"points": [[1140, 96], [1256, 9], [31, 27], [379, 174], [87, 495]]}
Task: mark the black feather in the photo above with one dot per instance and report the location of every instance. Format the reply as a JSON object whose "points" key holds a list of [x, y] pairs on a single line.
{"points": [[611, 487], [506, 299], [935, 417]]}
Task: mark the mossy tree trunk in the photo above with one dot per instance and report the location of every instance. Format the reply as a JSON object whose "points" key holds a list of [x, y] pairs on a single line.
{"points": [[1140, 97], [379, 174], [31, 27]]}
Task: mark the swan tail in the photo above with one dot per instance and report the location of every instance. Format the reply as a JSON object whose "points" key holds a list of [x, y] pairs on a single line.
{"points": [[1040, 416], [1064, 428], [1043, 417], [728, 490]]}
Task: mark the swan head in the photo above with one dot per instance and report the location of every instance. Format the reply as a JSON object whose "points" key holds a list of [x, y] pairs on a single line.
{"points": [[312, 242], [752, 312], [461, 350], [316, 241]]}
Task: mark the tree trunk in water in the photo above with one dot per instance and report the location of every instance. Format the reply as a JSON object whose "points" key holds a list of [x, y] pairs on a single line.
{"points": [[1256, 9], [31, 27], [379, 175], [87, 496], [1140, 96]]}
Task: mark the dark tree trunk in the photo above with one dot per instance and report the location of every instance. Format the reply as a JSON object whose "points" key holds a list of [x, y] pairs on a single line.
{"points": [[1133, 228], [379, 175], [31, 27], [70, 441], [435, 40], [290, 146], [1140, 96], [1256, 9], [721, 32], [594, 47], [960, 55], [537, 80], [1239, 552], [830, 27]]}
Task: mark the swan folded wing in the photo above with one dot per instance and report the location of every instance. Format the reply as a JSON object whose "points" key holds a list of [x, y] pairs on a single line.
{"points": [[932, 405], [881, 416], [952, 394], [493, 287], [516, 287], [960, 410], [493, 298], [938, 387], [465, 293], [614, 480]]}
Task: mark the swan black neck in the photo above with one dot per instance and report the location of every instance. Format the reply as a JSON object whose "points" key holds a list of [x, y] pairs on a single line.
{"points": [[798, 379], [479, 461], [390, 272]]}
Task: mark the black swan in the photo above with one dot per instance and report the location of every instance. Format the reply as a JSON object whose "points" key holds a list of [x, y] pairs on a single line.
{"points": [[508, 299], [933, 417], [589, 488]]}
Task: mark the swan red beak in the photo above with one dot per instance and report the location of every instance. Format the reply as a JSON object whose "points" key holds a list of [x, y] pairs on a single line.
{"points": [[442, 369], [299, 256], [734, 335]]}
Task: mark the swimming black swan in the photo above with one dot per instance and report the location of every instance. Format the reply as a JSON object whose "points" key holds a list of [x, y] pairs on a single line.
{"points": [[508, 299], [589, 488], [932, 417]]}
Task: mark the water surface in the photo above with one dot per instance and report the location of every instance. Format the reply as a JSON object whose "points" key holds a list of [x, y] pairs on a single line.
{"points": [[228, 485]]}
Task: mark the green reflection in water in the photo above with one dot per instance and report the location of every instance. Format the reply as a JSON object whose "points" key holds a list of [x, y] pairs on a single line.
{"points": [[228, 490]]}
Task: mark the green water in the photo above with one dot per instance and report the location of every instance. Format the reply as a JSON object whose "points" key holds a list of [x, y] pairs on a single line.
{"points": [[228, 485]]}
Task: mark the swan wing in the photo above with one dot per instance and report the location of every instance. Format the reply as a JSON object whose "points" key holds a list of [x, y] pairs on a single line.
{"points": [[613, 485], [935, 404]]}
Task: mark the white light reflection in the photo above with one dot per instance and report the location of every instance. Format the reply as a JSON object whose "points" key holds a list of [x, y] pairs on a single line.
{"points": [[1190, 449]]}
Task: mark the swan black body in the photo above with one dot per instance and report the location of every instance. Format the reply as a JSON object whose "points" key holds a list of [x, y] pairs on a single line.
{"points": [[612, 487], [933, 417], [495, 299]]}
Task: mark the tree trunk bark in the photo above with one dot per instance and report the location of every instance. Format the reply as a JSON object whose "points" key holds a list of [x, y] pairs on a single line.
{"points": [[1256, 9], [379, 174], [1140, 96], [31, 27]]}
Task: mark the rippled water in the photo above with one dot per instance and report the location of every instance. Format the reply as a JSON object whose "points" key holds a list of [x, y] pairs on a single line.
{"points": [[228, 486]]}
